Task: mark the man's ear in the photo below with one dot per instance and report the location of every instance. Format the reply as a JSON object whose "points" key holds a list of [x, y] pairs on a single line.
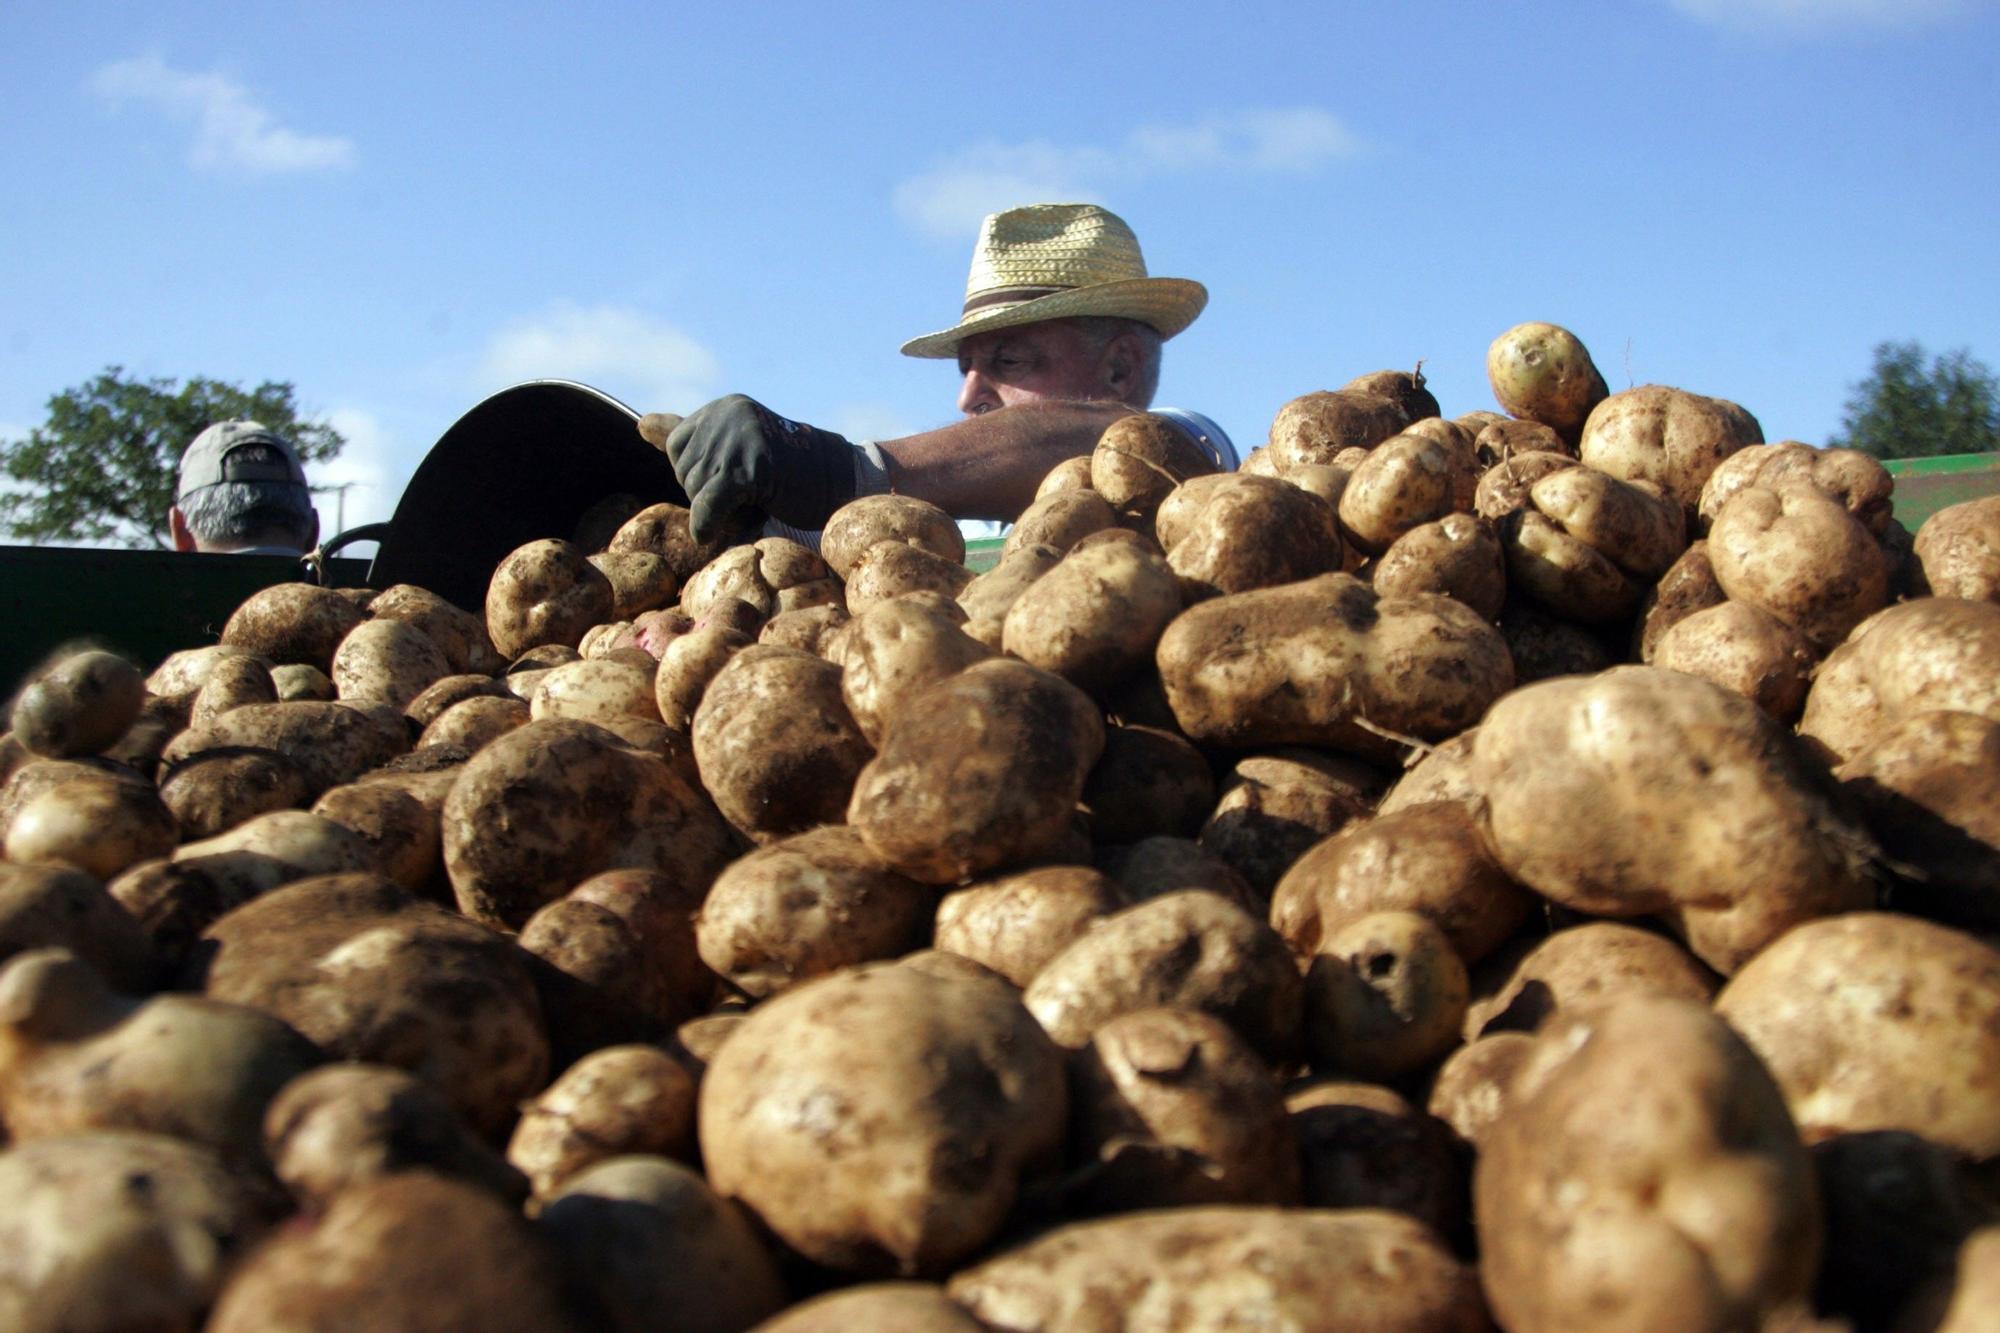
{"points": [[1119, 365], [178, 524]]}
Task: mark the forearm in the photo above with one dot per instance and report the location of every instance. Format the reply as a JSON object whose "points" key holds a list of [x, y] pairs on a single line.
{"points": [[988, 466]]}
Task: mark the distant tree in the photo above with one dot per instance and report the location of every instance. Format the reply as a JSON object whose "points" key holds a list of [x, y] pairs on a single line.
{"points": [[104, 466], [1906, 409]]}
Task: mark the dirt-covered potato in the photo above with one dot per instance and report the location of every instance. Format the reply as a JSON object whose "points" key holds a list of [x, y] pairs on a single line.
{"points": [[1404, 483], [1859, 482], [215, 790], [647, 1241], [771, 575], [1704, 810], [1275, 805], [1959, 549], [882, 1120], [1504, 488], [330, 742], [1171, 1109], [666, 531], [1138, 460], [1385, 996], [904, 520], [777, 747], [544, 592], [119, 1230], [807, 905], [79, 706], [810, 628], [341, 1124], [1873, 1020], [1014, 924], [368, 972], [1148, 781], [1189, 950], [471, 724], [554, 802], [614, 1102], [1071, 474], [237, 681], [1094, 618], [1060, 519], [895, 648], [1474, 1085], [1325, 662], [988, 597], [1669, 437], [276, 848], [1233, 533], [290, 622], [1163, 864], [1744, 649], [1914, 657], [1230, 1267], [1929, 789], [1543, 373], [687, 666], [1497, 441], [1649, 1178], [1588, 545], [458, 634], [640, 581], [1315, 427], [98, 825], [982, 770], [408, 1251], [595, 691], [1363, 1146], [884, 1307], [53, 907], [1579, 971], [1457, 556], [1544, 644], [1442, 774], [1798, 554], [1429, 859], [387, 661]]}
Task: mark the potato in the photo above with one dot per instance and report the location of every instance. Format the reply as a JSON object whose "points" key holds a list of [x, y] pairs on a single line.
{"points": [[554, 802], [1014, 924], [458, 633], [1670, 437], [1745, 650], [882, 1307], [1579, 971], [894, 649], [1929, 789], [108, 1231], [1094, 618], [1363, 1146], [1860, 483], [1588, 545], [1060, 520], [368, 972], [1703, 809], [1959, 547], [97, 825], [139, 749], [1384, 997], [1069, 475], [1325, 662], [1222, 1267], [810, 628], [777, 748], [1457, 556], [1147, 781], [687, 666], [1543, 373], [1475, 1084], [988, 597], [1170, 1109], [1191, 950], [1138, 460], [884, 1119], [1315, 427], [276, 848], [79, 706], [595, 691], [234, 682], [642, 1236], [1405, 482], [807, 905], [596, 985], [472, 724], [544, 592], [640, 581], [892, 569], [1430, 859], [1442, 774], [1937, 653], [330, 742], [772, 575], [1799, 555], [905, 520], [408, 1251], [1504, 488], [340, 1125], [1650, 1179], [1497, 441], [1208, 534], [1274, 806], [614, 1102], [982, 770], [290, 622], [1405, 387], [1877, 1021], [665, 530], [443, 694], [215, 790], [387, 661]]}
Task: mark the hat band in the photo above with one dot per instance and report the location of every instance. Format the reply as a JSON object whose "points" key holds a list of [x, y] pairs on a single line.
{"points": [[1009, 296]]}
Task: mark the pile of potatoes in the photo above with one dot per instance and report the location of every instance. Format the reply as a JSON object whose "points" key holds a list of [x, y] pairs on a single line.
{"points": [[1536, 870]]}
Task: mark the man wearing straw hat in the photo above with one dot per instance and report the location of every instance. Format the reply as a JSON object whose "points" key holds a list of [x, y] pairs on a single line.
{"points": [[1059, 336]]}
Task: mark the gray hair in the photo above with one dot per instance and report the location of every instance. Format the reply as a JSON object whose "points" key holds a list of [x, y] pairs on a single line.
{"points": [[251, 513], [1101, 329]]}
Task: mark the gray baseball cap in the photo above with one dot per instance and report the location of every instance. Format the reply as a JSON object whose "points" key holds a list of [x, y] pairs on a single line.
{"points": [[217, 455]]}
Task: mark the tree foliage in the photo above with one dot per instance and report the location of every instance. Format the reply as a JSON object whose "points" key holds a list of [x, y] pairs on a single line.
{"points": [[1907, 409], [103, 467]]}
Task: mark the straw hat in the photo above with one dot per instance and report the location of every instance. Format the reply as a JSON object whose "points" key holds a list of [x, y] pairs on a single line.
{"points": [[1053, 261]]}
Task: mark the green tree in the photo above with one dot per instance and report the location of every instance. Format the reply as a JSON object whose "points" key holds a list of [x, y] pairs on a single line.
{"points": [[103, 467], [1907, 409]]}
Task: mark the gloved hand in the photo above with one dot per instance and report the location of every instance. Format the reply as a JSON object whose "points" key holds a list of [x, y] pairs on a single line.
{"points": [[739, 462]]}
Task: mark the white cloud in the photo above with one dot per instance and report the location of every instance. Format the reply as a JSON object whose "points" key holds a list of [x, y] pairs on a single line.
{"points": [[642, 360], [232, 131], [1781, 18], [374, 467], [952, 197]]}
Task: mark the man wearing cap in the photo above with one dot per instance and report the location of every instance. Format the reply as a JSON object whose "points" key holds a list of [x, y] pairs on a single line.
{"points": [[243, 490], [1059, 336]]}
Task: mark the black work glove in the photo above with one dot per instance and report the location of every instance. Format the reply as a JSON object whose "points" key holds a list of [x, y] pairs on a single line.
{"points": [[739, 461]]}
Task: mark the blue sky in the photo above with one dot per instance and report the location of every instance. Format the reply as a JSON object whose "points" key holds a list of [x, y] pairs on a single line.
{"points": [[403, 208]]}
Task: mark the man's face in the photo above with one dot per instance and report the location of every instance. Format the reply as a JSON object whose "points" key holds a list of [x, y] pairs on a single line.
{"points": [[1054, 359]]}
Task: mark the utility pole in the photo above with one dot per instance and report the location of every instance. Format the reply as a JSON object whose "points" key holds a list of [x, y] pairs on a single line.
{"points": [[340, 504]]}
